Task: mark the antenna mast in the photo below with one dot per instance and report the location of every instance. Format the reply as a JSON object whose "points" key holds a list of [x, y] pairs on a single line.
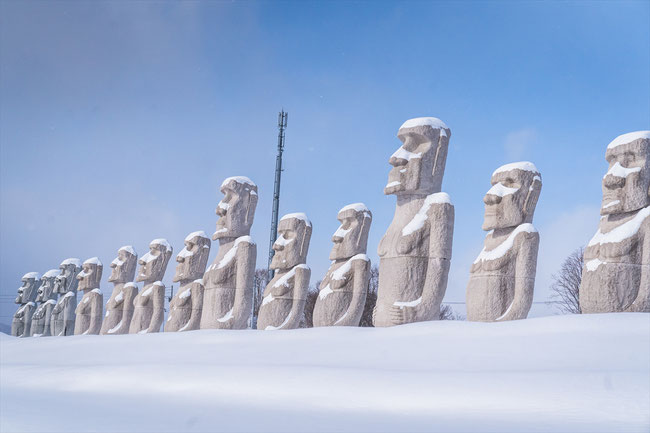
{"points": [[282, 124]]}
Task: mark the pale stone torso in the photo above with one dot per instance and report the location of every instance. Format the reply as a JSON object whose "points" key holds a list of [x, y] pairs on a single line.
{"points": [[22, 318], [41, 319], [63, 314], [180, 307], [220, 285], [278, 299], [144, 304], [336, 291], [89, 312], [616, 262], [493, 276], [119, 310]]}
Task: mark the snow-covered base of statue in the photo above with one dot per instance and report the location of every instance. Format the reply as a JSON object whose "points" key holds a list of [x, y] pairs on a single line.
{"points": [[563, 373]]}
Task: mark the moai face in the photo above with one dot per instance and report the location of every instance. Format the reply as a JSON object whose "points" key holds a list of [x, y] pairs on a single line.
{"points": [[154, 263], [67, 279], [46, 290], [237, 209], [90, 275], [512, 199], [292, 244], [419, 164], [193, 258], [28, 290], [626, 186], [352, 237], [123, 266]]}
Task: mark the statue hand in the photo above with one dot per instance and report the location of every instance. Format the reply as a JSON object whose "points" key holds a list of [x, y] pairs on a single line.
{"points": [[402, 315]]}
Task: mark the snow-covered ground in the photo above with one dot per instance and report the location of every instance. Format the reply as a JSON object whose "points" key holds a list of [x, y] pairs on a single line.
{"points": [[586, 373]]}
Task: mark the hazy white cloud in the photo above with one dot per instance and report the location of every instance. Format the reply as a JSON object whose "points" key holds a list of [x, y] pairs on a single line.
{"points": [[518, 142]]}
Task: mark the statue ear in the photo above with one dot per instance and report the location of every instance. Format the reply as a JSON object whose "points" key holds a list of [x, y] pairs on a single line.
{"points": [[443, 141], [250, 209], [531, 198]]}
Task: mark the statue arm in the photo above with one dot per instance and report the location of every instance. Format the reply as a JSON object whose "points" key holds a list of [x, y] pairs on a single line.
{"points": [[27, 318], [352, 315], [197, 305], [300, 288], [525, 269], [242, 307], [158, 309], [97, 311], [642, 302]]}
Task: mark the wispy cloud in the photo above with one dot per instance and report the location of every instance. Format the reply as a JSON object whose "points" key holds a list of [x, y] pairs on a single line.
{"points": [[518, 142]]}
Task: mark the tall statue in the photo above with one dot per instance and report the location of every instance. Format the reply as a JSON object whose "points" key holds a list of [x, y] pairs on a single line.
{"points": [[119, 308], [342, 295], [186, 305], [65, 285], [90, 308], [22, 320], [616, 273], [228, 281], [150, 302], [415, 252], [46, 298], [283, 303], [502, 277]]}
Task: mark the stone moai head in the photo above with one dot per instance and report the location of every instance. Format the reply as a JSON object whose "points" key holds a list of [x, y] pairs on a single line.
{"points": [[90, 275], [237, 209], [419, 164], [626, 186], [193, 257], [352, 237], [29, 289], [292, 244], [46, 290], [67, 281], [154, 263], [512, 199], [123, 266]]}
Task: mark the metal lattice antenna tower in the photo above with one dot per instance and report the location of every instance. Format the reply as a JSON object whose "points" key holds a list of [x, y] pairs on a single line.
{"points": [[282, 124]]}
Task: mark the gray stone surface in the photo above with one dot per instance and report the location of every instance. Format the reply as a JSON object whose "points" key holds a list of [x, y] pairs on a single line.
{"points": [[90, 309], [65, 285], [22, 320], [415, 252], [502, 278], [46, 301], [149, 304], [119, 308], [616, 274], [283, 303], [186, 305], [228, 281], [342, 293]]}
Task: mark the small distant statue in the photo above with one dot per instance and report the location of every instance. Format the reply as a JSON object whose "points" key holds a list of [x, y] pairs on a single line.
{"points": [[22, 320], [149, 304], [342, 295], [90, 308], [502, 278], [186, 305], [616, 273], [46, 298], [415, 252], [228, 281], [283, 303], [65, 285], [119, 308]]}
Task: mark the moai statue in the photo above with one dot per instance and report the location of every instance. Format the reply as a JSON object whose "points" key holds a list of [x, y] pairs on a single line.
{"points": [[65, 285], [415, 252], [502, 277], [186, 305], [22, 321], [90, 308], [42, 319], [119, 308], [228, 281], [616, 273], [342, 294], [283, 303], [149, 304]]}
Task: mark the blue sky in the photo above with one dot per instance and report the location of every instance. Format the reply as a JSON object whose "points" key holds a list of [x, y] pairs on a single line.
{"points": [[119, 120]]}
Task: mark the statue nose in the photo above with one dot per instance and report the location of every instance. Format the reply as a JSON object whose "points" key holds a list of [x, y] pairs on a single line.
{"points": [[613, 182], [491, 199], [397, 162], [277, 247]]}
